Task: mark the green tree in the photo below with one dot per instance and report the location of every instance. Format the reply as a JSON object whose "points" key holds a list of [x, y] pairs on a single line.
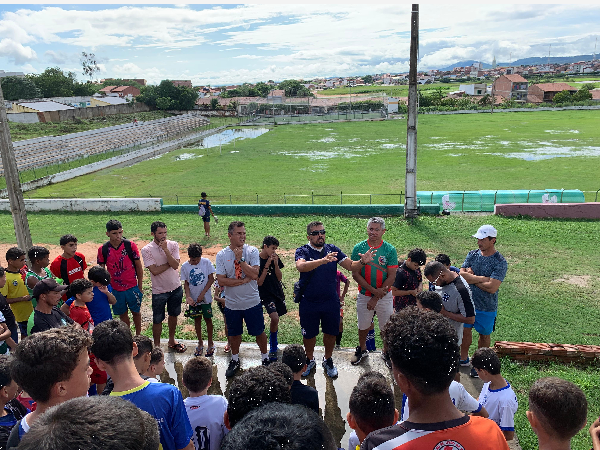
{"points": [[563, 97], [168, 96], [293, 88], [17, 88], [233, 104], [582, 95], [368, 79], [486, 100], [53, 82], [121, 82], [85, 89], [214, 103], [164, 103], [262, 89], [89, 65], [148, 95]]}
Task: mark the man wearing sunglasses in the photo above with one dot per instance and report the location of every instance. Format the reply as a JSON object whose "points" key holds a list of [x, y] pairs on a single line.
{"points": [[319, 302]]}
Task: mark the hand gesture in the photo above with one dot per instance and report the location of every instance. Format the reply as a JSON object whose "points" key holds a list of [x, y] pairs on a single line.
{"points": [[103, 289], [372, 303], [595, 434], [163, 244], [367, 257], [275, 258], [189, 300], [238, 251], [330, 257]]}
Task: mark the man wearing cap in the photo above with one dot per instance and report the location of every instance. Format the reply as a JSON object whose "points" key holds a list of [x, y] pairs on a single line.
{"points": [[484, 269], [46, 315]]}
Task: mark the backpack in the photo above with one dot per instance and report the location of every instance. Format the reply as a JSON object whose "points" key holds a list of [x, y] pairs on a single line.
{"points": [[128, 249], [64, 273], [201, 208]]}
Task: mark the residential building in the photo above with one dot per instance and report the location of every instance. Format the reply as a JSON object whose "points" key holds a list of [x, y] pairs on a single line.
{"points": [[512, 87], [11, 74], [473, 89], [38, 107], [547, 91], [126, 91]]}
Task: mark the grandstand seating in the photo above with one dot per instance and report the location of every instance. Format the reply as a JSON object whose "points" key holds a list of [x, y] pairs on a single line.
{"points": [[45, 151]]}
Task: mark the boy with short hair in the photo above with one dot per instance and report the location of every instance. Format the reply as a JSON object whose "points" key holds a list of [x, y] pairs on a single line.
{"points": [[496, 395], [103, 295], [198, 277], [39, 257], [114, 349], [10, 409], [295, 357], [409, 281], [205, 211], [204, 411], [82, 292], [121, 258], [15, 291], [157, 365], [557, 411], [61, 355], [430, 300], [371, 407], [71, 265], [270, 289], [8, 314], [144, 354], [46, 314], [445, 260]]}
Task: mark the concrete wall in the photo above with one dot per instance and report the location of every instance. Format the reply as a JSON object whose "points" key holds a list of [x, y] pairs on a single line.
{"points": [[293, 210], [79, 113], [24, 117], [89, 204], [590, 210]]}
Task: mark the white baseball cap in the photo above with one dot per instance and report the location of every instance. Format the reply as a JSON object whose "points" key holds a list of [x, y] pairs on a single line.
{"points": [[485, 231]]}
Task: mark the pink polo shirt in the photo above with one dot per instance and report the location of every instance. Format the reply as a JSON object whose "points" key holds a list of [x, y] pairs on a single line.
{"points": [[167, 281]]}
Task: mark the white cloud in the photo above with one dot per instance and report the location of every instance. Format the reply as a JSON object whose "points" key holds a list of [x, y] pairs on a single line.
{"points": [[248, 57], [28, 68], [15, 51], [56, 57]]}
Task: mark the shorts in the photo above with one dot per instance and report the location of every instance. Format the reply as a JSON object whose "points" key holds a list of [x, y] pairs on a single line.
{"points": [[171, 299], [14, 333], [384, 310], [277, 306], [485, 322], [130, 299], [205, 218], [98, 376], [253, 317], [23, 327], [198, 311], [313, 314], [221, 308]]}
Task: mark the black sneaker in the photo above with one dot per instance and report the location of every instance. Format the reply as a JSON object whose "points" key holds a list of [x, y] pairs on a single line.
{"points": [[474, 373], [232, 369], [358, 356], [266, 362], [386, 359], [330, 368]]}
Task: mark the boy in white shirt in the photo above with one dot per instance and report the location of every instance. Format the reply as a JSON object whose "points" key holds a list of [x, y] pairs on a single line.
{"points": [[496, 395], [198, 275], [204, 411]]}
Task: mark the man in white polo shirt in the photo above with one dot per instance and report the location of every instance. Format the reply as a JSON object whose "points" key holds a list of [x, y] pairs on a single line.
{"points": [[161, 257], [237, 272]]}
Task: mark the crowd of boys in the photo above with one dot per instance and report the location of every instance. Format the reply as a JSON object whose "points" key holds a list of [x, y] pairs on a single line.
{"points": [[71, 348]]}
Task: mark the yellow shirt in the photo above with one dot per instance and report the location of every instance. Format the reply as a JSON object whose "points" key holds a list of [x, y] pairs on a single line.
{"points": [[14, 288]]}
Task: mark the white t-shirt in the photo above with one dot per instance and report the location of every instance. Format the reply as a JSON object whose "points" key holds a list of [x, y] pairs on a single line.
{"points": [[501, 404], [206, 417], [242, 297], [459, 395], [197, 277]]}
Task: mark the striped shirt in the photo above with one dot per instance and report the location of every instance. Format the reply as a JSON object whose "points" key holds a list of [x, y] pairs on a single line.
{"points": [[375, 272]]}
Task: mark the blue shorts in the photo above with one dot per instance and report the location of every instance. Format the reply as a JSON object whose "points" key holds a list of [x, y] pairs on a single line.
{"points": [[206, 218], [129, 299], [327, 314], [485, 322], [255, 322]]}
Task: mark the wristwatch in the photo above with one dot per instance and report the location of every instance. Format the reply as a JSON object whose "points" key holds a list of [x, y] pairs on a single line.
{"points": [[242, 259]]}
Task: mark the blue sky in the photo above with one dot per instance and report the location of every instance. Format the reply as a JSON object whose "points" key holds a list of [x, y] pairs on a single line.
{"points": [[230, 44]]}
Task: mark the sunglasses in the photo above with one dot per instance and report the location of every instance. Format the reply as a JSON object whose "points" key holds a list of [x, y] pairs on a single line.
{"points": [[316, 233]]}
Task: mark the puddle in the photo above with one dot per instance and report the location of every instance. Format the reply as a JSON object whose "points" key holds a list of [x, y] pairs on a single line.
{"points": [[326, 140], [561, 131], [336, 152], [390, 145], [186, 156], [229, 135], [549, 152], [234, 151]]}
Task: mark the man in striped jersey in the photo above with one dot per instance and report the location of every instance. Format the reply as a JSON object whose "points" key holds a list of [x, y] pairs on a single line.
{"points": [[374, 281]]}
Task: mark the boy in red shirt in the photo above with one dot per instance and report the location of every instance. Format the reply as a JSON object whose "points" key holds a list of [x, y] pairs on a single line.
{"points": [[71, 264]]}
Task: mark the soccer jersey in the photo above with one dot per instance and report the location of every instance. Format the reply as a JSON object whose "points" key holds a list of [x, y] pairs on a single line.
{"points": [[501, 404], [163, 402], [322, 285], [459, 395], [456, 297], [493, 266], [74, 269], [120, 266], [375, 272], [271, 290], [203, 207], [464, 433], [197, 277], [245, 296], [82, 316], [15, 288], [47, 274], [206, 418]]}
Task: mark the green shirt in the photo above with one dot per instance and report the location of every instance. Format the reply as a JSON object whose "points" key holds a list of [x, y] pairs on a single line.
{"points": [[375, 273]]}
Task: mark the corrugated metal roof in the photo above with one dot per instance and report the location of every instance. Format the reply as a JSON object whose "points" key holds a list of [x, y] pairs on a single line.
{"points": [[45, 106]]}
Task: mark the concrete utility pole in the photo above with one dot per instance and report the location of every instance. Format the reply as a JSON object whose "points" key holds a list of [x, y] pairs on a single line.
{"points": [[13, 185], [410, 203]]}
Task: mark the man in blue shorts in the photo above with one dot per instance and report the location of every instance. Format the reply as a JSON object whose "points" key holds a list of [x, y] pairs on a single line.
{"points": [[205, 211], [319, 301], [237, 271], [484, 269]]}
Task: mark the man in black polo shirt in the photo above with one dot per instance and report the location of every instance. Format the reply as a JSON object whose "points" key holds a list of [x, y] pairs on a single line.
{"points": [[46, 315]]}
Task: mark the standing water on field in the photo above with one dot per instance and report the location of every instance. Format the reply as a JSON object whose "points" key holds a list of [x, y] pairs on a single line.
{"points": [[229, 135]]}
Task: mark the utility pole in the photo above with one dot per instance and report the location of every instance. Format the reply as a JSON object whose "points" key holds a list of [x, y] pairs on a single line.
{"points": [[13, 185], [410, 202]]}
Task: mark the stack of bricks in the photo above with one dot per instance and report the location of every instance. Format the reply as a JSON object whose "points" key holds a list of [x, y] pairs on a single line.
{"points": [[531, 351]]}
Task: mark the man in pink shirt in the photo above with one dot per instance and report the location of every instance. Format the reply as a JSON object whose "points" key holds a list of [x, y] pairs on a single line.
{"points": [[161, 257]]}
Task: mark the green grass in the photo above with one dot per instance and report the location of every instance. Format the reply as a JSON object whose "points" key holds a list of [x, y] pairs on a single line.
{"points": [[22, 131], [394, 91], [455, 152], [533, 305]]}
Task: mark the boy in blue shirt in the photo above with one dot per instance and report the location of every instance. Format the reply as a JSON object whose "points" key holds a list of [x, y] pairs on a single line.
{"points": [[114, 350], [99, 307]]}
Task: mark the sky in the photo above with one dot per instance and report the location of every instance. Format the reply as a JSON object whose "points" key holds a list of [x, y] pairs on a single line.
{"points": [[219, 44]]}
